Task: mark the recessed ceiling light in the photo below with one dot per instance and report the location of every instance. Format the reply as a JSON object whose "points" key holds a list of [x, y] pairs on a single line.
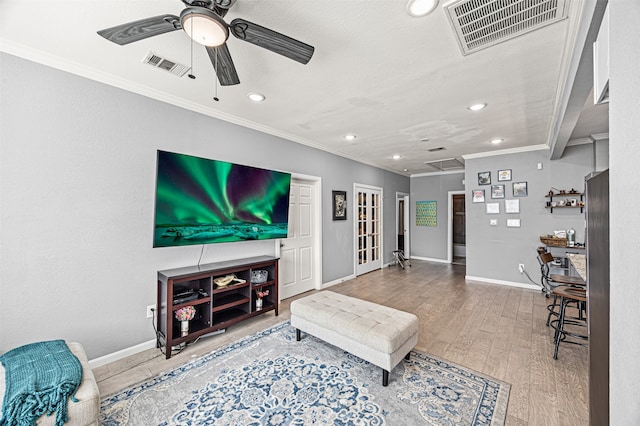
{"points": [[418, 8], [350, 137], [477, 107], [405, 170], [496, 141], [397, 156], [256, 97]]}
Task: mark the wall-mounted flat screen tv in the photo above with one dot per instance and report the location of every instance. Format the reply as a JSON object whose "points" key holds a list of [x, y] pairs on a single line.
{"points": [[202, 201]]}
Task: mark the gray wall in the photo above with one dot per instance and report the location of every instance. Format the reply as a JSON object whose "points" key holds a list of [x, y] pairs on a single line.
{"points": [[77, 181], [494, 252], [426, 241], [624, 152]]}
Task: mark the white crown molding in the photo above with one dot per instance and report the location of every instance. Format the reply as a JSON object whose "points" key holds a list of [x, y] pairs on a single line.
{"points": [[590, 139], [579, 141], [444, 172], [507, 151], [599, 136], [53, 61]]}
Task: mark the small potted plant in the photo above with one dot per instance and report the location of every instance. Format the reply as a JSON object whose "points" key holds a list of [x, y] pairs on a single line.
{"points": [[184, 315], [260, 294]]}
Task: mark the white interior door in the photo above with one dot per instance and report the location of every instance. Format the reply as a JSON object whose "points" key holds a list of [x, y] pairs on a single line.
{"points": [[298, 257], [368, 215]]}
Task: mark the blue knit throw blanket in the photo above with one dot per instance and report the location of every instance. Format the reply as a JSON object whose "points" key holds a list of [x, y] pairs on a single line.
{"points": [[40, 379]]}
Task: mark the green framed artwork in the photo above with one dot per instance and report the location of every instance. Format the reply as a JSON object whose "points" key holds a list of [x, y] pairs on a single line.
{"points": [[426, 213]]}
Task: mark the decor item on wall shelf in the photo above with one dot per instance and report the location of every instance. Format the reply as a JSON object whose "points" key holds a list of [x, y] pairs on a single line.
{"points": [[484, 178], [426, 213], [477, 196], [497, 191], [504, 175], [339, 205], [519, 189]]}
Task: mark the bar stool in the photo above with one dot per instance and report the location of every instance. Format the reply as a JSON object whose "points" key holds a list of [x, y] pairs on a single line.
{"points": [[552, 281], [569, 295]]}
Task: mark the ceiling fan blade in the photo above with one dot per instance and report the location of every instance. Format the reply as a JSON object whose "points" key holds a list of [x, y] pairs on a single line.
{"points": [[141, 29], [223, 65], [271, 40], [221, 7]]}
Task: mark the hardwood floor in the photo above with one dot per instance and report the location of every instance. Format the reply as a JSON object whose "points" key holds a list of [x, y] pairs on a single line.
{"points": [[493, 329]]}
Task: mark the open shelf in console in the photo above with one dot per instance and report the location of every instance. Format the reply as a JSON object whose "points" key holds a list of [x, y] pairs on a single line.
{"points": [[217, 307]]}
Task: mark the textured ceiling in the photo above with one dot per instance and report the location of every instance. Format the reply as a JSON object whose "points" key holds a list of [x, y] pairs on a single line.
{"points": [[401, 84]]}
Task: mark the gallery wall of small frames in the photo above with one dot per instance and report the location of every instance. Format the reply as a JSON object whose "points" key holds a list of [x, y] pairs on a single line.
{"points": [[502, 188]]}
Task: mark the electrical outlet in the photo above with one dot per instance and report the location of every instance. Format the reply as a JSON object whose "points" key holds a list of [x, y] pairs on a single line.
{"points": [[521, 267], [150, 310]]}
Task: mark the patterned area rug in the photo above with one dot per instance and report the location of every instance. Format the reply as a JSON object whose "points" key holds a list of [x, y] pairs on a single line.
{"points": [[270, 379]]}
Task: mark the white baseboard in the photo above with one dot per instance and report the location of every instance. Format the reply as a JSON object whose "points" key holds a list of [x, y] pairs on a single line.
{"points": [[106, 359], [338, 281], [502, 282], [430, 259]]}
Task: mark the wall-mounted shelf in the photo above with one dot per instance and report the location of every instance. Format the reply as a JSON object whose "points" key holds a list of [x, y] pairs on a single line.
{"points": [[577, 196]]}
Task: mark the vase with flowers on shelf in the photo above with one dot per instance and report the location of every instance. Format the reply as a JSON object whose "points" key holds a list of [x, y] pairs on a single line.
{"points": [[184, 315], [259, 295]]}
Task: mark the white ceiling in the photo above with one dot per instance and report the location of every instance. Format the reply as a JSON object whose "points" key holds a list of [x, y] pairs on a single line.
{"points": [[401, 84]]}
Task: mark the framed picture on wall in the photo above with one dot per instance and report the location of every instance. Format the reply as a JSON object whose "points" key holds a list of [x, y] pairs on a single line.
{"points": [[504, 175], [493, 208], [484, 178], [477, 196], [513, 223], [512, 206], [339, 205], [519, 189], [497, 191]]}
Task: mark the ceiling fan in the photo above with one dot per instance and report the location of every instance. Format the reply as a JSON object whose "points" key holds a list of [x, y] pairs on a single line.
{"points": [[203, 22]]}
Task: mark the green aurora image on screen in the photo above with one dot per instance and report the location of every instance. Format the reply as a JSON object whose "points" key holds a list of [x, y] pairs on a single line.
{"points": [[202, 201]]}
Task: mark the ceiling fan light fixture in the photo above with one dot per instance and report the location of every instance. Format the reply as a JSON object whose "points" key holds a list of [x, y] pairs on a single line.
{"points": [[204, 26], [419, 8]]}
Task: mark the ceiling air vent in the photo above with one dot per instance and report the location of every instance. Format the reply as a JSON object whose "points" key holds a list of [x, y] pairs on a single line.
{"points": [[445, 164], [482, 23], [165, 64]]}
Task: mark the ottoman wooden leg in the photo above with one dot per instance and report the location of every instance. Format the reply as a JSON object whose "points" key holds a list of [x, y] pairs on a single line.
{"points": [[385, 377], [407, 356], [298, 335]]}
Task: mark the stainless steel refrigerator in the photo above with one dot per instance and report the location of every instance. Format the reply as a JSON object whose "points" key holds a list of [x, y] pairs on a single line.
{"points": [[598, 281]]}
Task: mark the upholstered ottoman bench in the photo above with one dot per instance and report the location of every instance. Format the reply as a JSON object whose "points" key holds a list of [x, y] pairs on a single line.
{"points": [[86, 411], [375, 333]]}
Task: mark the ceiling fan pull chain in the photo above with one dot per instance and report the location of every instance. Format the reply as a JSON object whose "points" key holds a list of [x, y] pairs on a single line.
{"points": [[215, 96], [191, 75]]}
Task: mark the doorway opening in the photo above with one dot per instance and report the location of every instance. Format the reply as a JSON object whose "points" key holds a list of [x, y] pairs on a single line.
{"points": [[457, 250], [402, 224]]}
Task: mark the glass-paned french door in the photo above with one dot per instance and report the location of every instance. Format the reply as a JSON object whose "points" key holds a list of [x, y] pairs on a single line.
{"points": [[368, 221]]}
